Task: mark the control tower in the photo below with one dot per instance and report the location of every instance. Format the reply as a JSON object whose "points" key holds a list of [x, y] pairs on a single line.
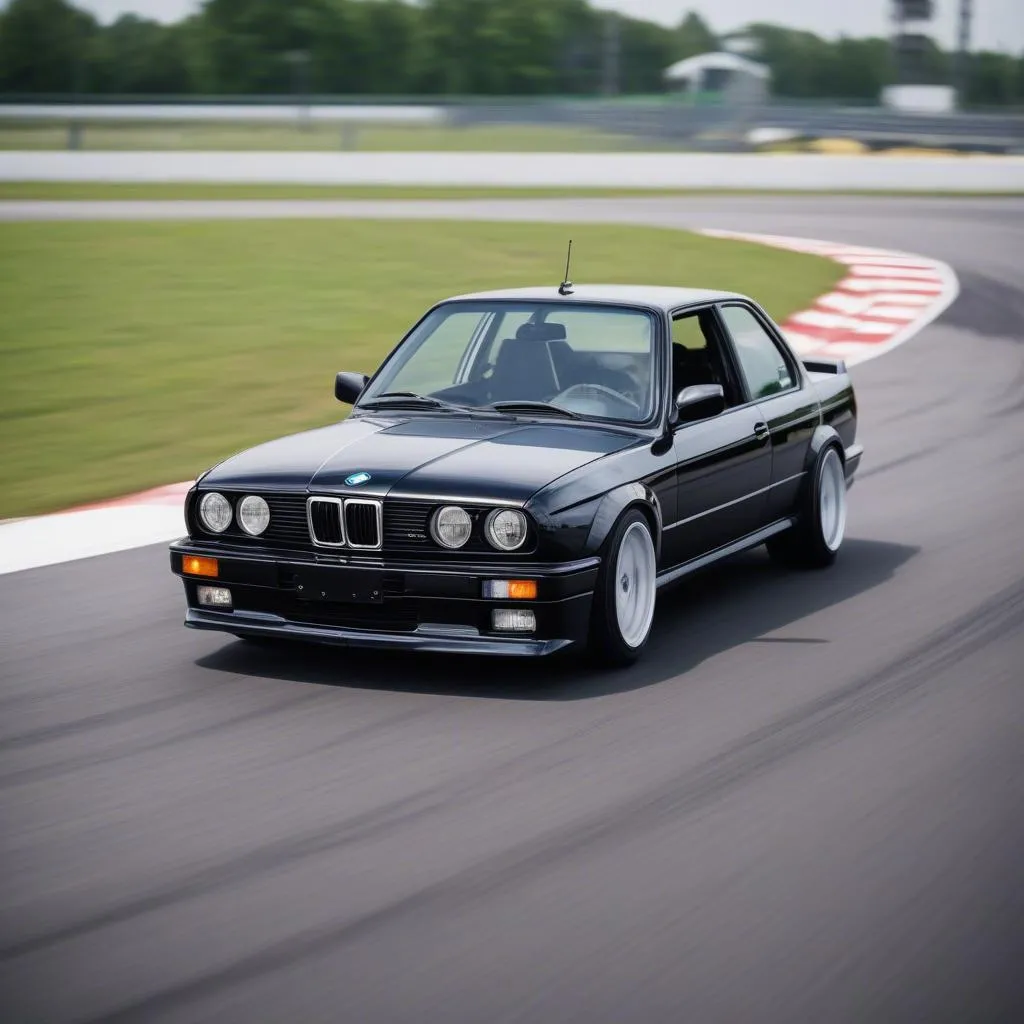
{"points": [[912, 33], [920, 82]]}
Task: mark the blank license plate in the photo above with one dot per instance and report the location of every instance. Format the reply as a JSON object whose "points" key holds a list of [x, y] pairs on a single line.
{"points": [[357, 586]]}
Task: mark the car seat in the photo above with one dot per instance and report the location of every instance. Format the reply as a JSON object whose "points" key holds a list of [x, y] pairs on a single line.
{"points": [[691, 366], [523, 369]]}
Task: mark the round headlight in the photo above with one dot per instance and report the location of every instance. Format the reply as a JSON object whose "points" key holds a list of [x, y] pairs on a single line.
{"points": [[253, 515], [451, 526], [215, 512], [506, 529]]}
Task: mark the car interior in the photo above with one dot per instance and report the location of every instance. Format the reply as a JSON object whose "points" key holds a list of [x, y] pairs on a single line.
{"points": [[537, 363], [532, 365], [697, 356]]}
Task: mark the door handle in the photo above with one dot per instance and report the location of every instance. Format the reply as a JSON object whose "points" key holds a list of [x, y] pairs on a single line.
{"points": [[761, 431]]}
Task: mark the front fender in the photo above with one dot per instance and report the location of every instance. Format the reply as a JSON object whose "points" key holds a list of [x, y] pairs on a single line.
{"points": [[614, 503]]}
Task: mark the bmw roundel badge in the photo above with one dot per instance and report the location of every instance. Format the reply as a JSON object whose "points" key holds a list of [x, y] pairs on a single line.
{"points": [[356, 479]]}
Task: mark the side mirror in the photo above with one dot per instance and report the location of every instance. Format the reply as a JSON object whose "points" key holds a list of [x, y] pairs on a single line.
{"points": [[700, 402], [349, 386]]}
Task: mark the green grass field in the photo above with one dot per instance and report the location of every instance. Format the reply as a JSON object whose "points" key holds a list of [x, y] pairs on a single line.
{"points": [[28, 135], [135, 354]]}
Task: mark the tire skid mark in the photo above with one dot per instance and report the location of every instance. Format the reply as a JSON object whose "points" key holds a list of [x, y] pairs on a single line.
{"points": [[234, 871], [372, 824], [902, 460], [819, 720], [118, 716], [913, 410], [73, 764]]}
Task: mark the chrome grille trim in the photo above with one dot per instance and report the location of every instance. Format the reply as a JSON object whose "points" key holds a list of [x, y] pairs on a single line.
{"points": [[378, 523], [336, 503]]}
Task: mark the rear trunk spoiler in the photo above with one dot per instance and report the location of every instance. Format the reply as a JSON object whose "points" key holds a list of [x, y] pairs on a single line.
{"points": [[835, 366]]}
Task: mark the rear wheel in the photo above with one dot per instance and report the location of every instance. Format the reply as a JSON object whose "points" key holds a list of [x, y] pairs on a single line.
{"points": [[626, 593], [816, 539]]}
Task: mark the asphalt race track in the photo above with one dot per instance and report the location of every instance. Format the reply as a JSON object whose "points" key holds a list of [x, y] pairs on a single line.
{"points": [[806, 804]]}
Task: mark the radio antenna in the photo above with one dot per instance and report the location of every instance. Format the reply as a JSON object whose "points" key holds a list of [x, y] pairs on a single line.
{"points": [[565, 288]]}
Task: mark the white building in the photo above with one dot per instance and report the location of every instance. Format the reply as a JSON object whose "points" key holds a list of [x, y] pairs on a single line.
{"points": [[728, 74]]}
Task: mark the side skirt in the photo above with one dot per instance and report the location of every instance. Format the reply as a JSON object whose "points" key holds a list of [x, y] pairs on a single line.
{"points": [[752, 540]]}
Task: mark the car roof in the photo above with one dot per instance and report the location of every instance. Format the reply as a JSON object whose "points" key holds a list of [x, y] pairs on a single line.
{"points": [[655, 296]]}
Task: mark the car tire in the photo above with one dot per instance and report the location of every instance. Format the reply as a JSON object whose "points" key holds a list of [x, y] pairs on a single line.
{"points": [[815, 540], [626, 594]]}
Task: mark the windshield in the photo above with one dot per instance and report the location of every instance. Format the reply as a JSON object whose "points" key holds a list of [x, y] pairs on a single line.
{"points": [[558, 358]]}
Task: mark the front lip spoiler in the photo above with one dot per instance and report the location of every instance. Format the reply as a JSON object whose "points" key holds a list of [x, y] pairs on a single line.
{"points": [[424, 639]]}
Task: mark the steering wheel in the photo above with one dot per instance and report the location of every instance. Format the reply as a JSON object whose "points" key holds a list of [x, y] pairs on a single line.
{"points": [[597, 393]]}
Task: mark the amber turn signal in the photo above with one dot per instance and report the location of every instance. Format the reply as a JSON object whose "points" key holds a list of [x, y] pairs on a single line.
{"points": [[197, 565], [510, 590]]}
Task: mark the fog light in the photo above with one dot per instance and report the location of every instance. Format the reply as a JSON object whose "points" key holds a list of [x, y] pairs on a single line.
{"points": [[510, 590], [513, 620], [214, 597], [196, 565]]}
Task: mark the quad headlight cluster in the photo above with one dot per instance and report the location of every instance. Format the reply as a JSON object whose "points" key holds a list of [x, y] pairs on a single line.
{"points": [[216, 513], [505, 528], [451, 526]]}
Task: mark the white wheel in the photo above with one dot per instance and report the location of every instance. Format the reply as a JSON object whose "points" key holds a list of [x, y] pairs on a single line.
{"points": [[635, 583], [814, 541], [832, 501]]}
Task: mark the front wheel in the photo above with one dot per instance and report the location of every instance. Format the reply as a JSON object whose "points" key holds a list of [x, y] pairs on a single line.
{"points": [[818, 535], [624, 600]]}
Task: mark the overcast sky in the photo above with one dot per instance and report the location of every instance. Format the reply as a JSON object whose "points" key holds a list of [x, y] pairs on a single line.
{"points": [[998, 24]]}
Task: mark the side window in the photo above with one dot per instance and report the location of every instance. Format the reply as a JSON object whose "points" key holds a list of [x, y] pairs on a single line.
{"points": [[686, 331], [697, 356], [762, 364]]}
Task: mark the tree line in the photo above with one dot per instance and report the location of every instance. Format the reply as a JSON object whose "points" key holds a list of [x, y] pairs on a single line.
{"points": [[432, 48]]}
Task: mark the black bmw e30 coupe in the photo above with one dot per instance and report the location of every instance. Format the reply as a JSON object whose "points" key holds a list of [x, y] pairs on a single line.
{"points": [[524, 472]]}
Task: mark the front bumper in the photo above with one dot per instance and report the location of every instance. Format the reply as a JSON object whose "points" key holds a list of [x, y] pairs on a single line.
{"points": [[367, 602]]}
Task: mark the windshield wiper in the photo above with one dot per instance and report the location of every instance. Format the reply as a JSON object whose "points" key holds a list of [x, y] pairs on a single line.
{"points": [[409, 398], [538, 407]]}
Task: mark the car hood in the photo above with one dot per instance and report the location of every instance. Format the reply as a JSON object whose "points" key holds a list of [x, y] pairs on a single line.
{"points": [[457, 458]]}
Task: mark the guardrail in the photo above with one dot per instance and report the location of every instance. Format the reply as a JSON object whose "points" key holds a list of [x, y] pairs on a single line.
{"points": [[719, 125], [280, 113], [694, 126], [348, 116]]}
